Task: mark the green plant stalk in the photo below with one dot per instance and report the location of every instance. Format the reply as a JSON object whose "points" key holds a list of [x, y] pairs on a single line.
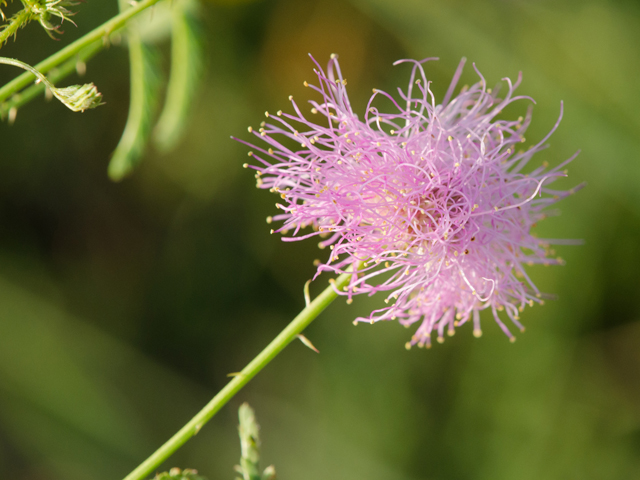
{"points": [[297, 325], [67, 68], [97, 34]]}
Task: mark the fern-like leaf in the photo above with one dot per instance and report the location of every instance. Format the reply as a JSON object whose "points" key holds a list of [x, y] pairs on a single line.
{"points": [[186, 72], [144, 73]]}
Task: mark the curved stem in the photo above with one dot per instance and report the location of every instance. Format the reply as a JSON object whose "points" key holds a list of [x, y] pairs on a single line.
{"points": [[97, 34], [27, 67], [302, 320]]}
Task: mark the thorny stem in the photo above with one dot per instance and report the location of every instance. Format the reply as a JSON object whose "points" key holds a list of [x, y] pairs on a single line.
{"points": [[100, 33], [16, 22], [297, 325]]}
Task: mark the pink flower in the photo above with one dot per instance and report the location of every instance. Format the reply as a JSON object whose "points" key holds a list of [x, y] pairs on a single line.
{"points": [[433, 198]]}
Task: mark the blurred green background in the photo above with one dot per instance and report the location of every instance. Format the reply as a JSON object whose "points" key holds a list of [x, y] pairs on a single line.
{"points": [[123, 306]]}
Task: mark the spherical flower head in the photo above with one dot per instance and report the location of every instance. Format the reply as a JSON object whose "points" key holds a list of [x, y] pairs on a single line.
{"points": [[430, 202]]}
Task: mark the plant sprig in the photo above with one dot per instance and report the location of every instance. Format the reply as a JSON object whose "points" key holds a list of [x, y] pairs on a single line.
{"points": [[75, 97], [77, 64], [249, 432]]}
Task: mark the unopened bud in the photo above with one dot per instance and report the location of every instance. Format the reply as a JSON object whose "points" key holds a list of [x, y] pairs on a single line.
{"points": [[79, 97]]}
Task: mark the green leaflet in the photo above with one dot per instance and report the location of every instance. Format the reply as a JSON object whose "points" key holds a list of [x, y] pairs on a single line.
{"points": [[186, 71], [144, 70]]}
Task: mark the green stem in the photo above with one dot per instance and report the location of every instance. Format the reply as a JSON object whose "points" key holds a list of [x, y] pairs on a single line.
{"points": [[97, 34], [297, 325]]}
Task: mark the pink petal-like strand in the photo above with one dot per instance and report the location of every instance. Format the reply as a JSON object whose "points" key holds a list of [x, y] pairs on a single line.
{"points": [[432, 197]]}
